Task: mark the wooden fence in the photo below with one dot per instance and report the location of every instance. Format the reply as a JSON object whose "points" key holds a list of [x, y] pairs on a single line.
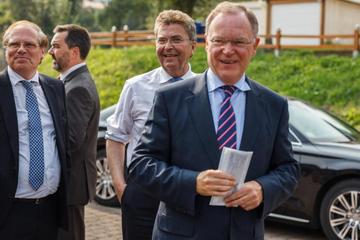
{"points": [[326, 42]]}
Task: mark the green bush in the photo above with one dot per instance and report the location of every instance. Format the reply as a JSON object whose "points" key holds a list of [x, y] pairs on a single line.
{"points": [[331, 82]]}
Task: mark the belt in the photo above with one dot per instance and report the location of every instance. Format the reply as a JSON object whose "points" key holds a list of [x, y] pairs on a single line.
{"points": [[35, 201]]}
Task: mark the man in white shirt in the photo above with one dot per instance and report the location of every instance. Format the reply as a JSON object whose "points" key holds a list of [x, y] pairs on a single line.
{"points": [[32, 140], [175, 44], [69, 49]]}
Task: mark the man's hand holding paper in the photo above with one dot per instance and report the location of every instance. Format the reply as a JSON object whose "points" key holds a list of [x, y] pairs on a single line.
{"points": [[248, 197], [235, 163], [214, 183]]}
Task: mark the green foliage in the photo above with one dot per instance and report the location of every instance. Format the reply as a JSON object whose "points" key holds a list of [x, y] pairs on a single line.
{"points": [[331, 82], [203, 8], [130, 12], [5, 15], [48, 13], [137, 14]]}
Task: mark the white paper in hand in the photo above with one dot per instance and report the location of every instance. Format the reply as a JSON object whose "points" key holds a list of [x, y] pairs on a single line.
{"points": [[236, 163]]}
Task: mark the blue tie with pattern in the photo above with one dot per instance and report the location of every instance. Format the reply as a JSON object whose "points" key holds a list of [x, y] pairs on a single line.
{"points": [[174, 79], [226, 132], [36, 145]]}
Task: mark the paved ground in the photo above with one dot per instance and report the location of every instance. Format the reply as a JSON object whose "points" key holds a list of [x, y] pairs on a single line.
{"points": [[104, 223]]}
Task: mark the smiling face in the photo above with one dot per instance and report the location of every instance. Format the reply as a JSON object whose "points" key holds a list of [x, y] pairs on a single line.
{"points": [[23, 53], [174, 49], [228, 60]]}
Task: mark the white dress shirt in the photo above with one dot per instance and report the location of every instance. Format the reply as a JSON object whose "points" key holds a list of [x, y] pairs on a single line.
{"points": [[132, 110], [238, 101], [51, 157]]}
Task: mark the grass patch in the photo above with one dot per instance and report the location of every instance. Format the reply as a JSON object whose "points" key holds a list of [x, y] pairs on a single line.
{"points": [[331, 81]]}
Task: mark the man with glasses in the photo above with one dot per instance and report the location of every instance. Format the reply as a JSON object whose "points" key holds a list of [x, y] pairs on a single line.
{"points": [[191, 123], [32, 140], [175, 45]]}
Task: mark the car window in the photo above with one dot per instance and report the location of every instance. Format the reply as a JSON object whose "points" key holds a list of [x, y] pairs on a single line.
{"points": [[107, 112], [319, 126], [293, 139]]}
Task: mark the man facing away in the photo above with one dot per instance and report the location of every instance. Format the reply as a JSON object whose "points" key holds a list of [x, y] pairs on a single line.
{"points": [[191, 122], [175, 45], [32, 140], [69, 49]]}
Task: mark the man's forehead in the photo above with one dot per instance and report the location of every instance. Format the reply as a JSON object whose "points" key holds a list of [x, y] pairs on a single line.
{"points": [[168, 27], [23, 32], [59, 37]]}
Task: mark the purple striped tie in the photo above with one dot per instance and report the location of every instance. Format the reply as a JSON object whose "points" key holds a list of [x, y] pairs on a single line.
{"points": [[226, 132]]}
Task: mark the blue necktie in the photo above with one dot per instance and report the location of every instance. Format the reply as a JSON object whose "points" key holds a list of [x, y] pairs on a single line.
{"points": [[226, 132], [174, 79], [36, 145]]}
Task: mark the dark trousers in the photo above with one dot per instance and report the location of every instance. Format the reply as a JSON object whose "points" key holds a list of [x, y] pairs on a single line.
{"points": [[76, 224], [31, 221], [138, 213]]}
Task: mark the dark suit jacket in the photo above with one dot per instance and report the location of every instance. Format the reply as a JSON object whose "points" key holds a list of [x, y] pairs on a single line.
{"points": [[9, 141], [83, 111], [179, 141]]}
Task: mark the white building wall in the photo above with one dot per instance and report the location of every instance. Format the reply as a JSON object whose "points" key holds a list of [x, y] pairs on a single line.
{"points": [[341, 18], [297, 19]]}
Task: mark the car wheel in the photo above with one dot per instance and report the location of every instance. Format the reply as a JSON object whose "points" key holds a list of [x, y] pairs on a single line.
{"points": [[340, 211], [105, 192]]}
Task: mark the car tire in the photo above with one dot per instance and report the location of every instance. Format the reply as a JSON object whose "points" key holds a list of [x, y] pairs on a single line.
{"points": [[340, 211], [105, 191]]}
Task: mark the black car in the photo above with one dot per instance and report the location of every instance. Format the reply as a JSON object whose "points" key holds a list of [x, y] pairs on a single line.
{"points": [[328, 194], [105, 192]]}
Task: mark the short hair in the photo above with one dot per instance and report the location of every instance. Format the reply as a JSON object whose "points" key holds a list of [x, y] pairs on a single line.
{"points": [[233, 8], [168, 17], [42, 38], [77, 37]]}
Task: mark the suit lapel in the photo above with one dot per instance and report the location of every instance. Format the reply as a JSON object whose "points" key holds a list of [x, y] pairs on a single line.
{"points": [[8, 111], [76, 72], [254, 114], [50, 93], [200, 113]]}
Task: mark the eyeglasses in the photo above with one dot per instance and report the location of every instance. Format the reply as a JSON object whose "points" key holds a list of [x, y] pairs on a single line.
{"points": [[241, 42], [26, 45], [175, 40]]}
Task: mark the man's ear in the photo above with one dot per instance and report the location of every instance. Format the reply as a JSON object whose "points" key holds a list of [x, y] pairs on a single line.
{"points": [[206, 42], [75, 52], [255, 46], [43, 52]]}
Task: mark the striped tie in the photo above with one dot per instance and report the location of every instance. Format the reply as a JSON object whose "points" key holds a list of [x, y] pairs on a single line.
{"points": [[226, 132]]}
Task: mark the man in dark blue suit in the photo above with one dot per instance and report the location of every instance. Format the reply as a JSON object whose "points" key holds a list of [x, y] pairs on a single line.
{"points": [[191, 121], [32, 140]]}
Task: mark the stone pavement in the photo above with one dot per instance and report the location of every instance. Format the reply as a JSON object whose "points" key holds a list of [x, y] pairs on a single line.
{"points": [[104, 223]]}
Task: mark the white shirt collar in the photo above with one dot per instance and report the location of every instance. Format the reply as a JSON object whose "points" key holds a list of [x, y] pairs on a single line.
{"points": [[214, 82], [70, 70], [15, 78], [165, 77]]}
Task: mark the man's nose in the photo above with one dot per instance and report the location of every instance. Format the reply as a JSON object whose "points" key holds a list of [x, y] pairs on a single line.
{"points": [[168, 44], [228, 48], [21, 48]]}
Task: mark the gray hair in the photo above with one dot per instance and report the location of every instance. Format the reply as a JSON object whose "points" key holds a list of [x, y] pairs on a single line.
{"points": [[42, 38], [168, 17], [232, 8]]}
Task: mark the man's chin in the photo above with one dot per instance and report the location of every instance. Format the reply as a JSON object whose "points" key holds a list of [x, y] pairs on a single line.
{"points": [[56, 67]]}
